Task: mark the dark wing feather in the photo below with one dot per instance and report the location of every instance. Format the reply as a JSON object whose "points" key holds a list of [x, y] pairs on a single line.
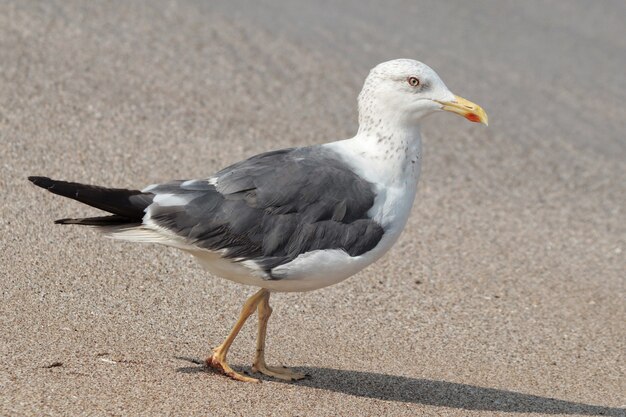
{"points": [[127, 206], [273, 207]]}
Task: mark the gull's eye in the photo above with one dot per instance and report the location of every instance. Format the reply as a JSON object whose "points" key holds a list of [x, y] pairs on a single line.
{"points": [[413, 81]]}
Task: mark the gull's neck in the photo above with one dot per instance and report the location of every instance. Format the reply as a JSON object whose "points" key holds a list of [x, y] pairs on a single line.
{"points": [[387, 153]]}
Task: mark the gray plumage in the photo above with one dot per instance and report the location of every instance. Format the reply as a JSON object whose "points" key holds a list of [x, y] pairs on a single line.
{"points": [[273, 207], [267, 209]]}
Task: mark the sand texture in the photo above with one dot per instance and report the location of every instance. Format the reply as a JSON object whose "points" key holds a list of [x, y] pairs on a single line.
{"points": [[504, 296]]}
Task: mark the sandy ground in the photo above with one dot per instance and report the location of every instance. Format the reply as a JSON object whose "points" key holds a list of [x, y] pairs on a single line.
{"points": [[505, 295]]}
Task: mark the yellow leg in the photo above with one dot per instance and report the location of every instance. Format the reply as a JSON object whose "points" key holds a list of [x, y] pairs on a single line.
{"points": [[218, 359], [259, 365]]}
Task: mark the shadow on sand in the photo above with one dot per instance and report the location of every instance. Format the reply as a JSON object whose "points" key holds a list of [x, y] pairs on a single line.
{"points": [[431, 392]]}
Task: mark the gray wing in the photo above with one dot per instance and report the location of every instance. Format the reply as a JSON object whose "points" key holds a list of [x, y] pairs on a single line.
{"points": [[272, 207]]}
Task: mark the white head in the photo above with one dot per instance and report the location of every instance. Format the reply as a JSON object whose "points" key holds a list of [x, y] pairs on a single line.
{"points": [[402, 91]]}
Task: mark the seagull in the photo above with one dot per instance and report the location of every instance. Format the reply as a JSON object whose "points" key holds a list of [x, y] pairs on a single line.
{"points": [[296, 219]]}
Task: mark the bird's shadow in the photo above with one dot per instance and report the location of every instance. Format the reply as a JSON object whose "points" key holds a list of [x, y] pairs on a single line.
{"points": [[432, 392]]}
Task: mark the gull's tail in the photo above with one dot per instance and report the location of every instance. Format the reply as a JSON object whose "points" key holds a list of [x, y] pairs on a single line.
{"points": [[126, 206]]}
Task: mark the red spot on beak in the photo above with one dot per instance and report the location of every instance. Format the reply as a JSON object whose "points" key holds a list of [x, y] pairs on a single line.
{"points": [[472, 117]]}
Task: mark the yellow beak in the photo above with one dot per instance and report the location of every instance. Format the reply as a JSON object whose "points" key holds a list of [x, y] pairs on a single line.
{"points": [[471, 111]]}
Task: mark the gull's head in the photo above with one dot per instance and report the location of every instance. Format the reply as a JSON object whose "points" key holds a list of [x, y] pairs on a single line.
{"points": [[404, 90]]}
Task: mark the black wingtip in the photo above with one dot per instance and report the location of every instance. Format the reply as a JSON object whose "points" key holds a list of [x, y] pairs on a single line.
{"points": [[43, 182], [129, 204]]}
